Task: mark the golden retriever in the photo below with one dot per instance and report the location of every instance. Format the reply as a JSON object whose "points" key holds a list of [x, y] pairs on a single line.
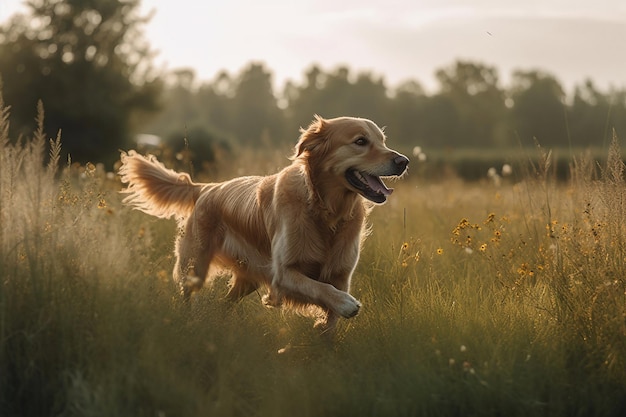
{"points": [[297, 233]]}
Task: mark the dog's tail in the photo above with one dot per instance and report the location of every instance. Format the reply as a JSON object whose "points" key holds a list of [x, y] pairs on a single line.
{"points": [[156, 190]]}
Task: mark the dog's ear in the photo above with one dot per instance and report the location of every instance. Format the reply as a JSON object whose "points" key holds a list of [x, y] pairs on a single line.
{"points": [[313, 137]]}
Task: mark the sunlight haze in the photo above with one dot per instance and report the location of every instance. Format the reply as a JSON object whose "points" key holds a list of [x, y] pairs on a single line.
{"points": [[399, 40]]}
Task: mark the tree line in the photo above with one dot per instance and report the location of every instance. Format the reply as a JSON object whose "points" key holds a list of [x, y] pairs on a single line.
{"points": [[89, 64], [469, 109]]}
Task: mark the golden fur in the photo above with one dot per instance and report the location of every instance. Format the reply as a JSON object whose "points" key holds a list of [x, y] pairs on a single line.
{"points": [[297, 233]]}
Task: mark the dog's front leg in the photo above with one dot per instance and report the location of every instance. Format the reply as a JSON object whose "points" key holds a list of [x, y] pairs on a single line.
{"points": [[288, 282]]}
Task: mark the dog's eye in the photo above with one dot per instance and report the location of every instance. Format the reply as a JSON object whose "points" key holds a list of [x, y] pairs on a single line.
{"points": [[361, 141]]}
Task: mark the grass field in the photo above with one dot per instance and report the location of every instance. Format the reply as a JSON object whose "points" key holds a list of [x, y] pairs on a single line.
{"points": [[477, 301]]}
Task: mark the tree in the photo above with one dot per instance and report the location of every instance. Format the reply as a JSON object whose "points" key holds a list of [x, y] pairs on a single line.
{"points": [[408, 121], [479, 102], [86, 60], [179, 109], [538, 108], [257, 116], [593, 115], [304, 101], [336, 93], [216, 102]]}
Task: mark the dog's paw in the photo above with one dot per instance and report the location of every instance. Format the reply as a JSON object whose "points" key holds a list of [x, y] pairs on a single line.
{"points": [[270, 301], [349, 307]]}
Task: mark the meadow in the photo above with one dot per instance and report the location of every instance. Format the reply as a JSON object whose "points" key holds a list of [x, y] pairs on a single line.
{"points": [[479, 299]]}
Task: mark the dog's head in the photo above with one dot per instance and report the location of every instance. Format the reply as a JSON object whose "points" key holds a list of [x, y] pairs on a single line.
{"points": [[354, 151]]}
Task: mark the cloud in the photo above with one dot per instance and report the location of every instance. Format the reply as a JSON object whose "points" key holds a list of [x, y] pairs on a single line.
{"points": [[571, 48], [399, 39]]}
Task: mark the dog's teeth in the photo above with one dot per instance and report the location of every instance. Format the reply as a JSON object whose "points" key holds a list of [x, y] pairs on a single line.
{"points": [[362, 179]]}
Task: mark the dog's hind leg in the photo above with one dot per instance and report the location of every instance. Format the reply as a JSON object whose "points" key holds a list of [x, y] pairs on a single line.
{"points": [[240, 287], [327, 323], [194, 253]]}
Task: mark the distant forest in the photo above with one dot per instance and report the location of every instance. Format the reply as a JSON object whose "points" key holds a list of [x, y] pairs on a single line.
{"points": [[471, 109], [91, 67]]}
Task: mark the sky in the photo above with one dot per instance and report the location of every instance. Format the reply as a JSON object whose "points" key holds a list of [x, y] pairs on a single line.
{"points": [[397, 39]]}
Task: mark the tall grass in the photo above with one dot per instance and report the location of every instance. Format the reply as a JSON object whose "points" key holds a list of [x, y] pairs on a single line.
{"points": [[478, 300]]}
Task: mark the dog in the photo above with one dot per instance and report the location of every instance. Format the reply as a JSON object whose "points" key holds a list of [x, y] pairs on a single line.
{"points": [[297, 233]]}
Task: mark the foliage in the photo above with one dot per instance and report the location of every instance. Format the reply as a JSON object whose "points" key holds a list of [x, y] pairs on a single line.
{"points": [[87, 62], [258, 117], [242, 110], [195, 149], [546, 122], [478, 300], [478, 101], [471, 109], [330, 94]]}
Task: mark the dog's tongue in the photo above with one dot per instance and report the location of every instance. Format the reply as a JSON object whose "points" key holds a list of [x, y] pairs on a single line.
{"points": [[377, 185]]}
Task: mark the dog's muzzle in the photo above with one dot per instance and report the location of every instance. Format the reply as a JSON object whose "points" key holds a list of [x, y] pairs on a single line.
{"points": [[371, 186], [401, 162]]}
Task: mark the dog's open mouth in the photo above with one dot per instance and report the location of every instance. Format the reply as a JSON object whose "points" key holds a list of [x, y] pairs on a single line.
{"points": [[368, 185]]}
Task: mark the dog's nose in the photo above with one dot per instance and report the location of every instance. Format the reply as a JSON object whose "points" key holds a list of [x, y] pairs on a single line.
{"points": [[401, 162]]}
